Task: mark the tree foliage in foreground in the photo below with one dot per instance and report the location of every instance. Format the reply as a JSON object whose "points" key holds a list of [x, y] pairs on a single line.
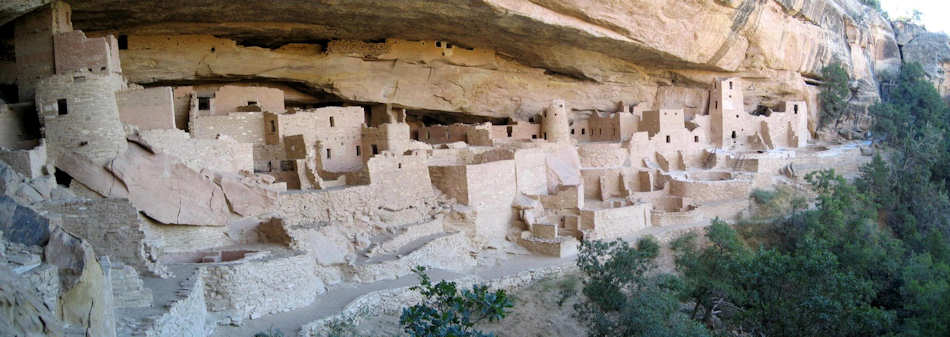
{"points": [[446, 311], [621, 300]]}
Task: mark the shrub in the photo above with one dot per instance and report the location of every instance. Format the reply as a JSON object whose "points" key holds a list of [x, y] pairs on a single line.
{"points": [[447, 311]]}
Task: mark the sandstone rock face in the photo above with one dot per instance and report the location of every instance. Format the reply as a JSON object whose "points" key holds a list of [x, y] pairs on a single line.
{"points": [[931, 50], [590, 53], [86, 300]]}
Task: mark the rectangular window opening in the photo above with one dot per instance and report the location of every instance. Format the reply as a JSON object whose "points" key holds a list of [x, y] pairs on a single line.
{"points": [[204, 103], [375, 149], [286, 165], [696, 139], [510, 131], [357, 150], [252, 103], [123, 42], [273, 126], [332, 122], [62, 107], [667, 138], [328, 153]]}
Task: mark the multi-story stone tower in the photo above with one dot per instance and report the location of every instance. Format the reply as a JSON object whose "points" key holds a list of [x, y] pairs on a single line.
{"points": [[555, 126]]}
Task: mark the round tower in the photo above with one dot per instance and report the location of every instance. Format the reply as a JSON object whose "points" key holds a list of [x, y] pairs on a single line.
{"points": [[555, 126]]}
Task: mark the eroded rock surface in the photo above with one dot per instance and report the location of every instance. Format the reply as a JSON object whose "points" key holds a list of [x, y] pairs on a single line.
{"points": [[589, 53]]}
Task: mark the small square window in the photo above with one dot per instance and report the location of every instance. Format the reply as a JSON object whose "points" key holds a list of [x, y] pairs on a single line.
{"points": [[204, 103]]}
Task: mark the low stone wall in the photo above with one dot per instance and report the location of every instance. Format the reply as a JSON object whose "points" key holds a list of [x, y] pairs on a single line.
{"points": [[613, 223], [451, 252], [251, 289], [187, 316], [705, 190]]}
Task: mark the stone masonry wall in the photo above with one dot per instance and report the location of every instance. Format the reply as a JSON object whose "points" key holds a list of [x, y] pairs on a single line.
{"points": [[110, 225], [186, 317], [615, 222], [73, 51], [248, 290], [245, 127], [152, 108], [225, 155], [18, 126], [90, 123], [33, 38]]}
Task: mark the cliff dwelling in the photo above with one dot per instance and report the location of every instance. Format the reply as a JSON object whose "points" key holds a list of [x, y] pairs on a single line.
{"points": [[203, 178]]}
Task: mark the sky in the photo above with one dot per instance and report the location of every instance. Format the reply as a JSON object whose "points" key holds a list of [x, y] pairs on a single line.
{"points": [[934, 12]]}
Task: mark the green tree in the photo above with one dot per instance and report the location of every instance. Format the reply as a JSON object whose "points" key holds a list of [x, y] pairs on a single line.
{"points": [[835, 93], [622, 300], [927, 297], [446, 311]]}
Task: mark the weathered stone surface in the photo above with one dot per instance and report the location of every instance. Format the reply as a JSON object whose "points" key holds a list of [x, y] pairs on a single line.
{"points": [[168, 191], [246, 198], [21, 224], [931, 50], [590, 53], [92, 175], [23, 310], [86, 300]]}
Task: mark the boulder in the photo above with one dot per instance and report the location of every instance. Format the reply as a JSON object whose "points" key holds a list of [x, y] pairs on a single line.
{"points": [[246, 197], [86, 300], [22, 224], [168, 191]]}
